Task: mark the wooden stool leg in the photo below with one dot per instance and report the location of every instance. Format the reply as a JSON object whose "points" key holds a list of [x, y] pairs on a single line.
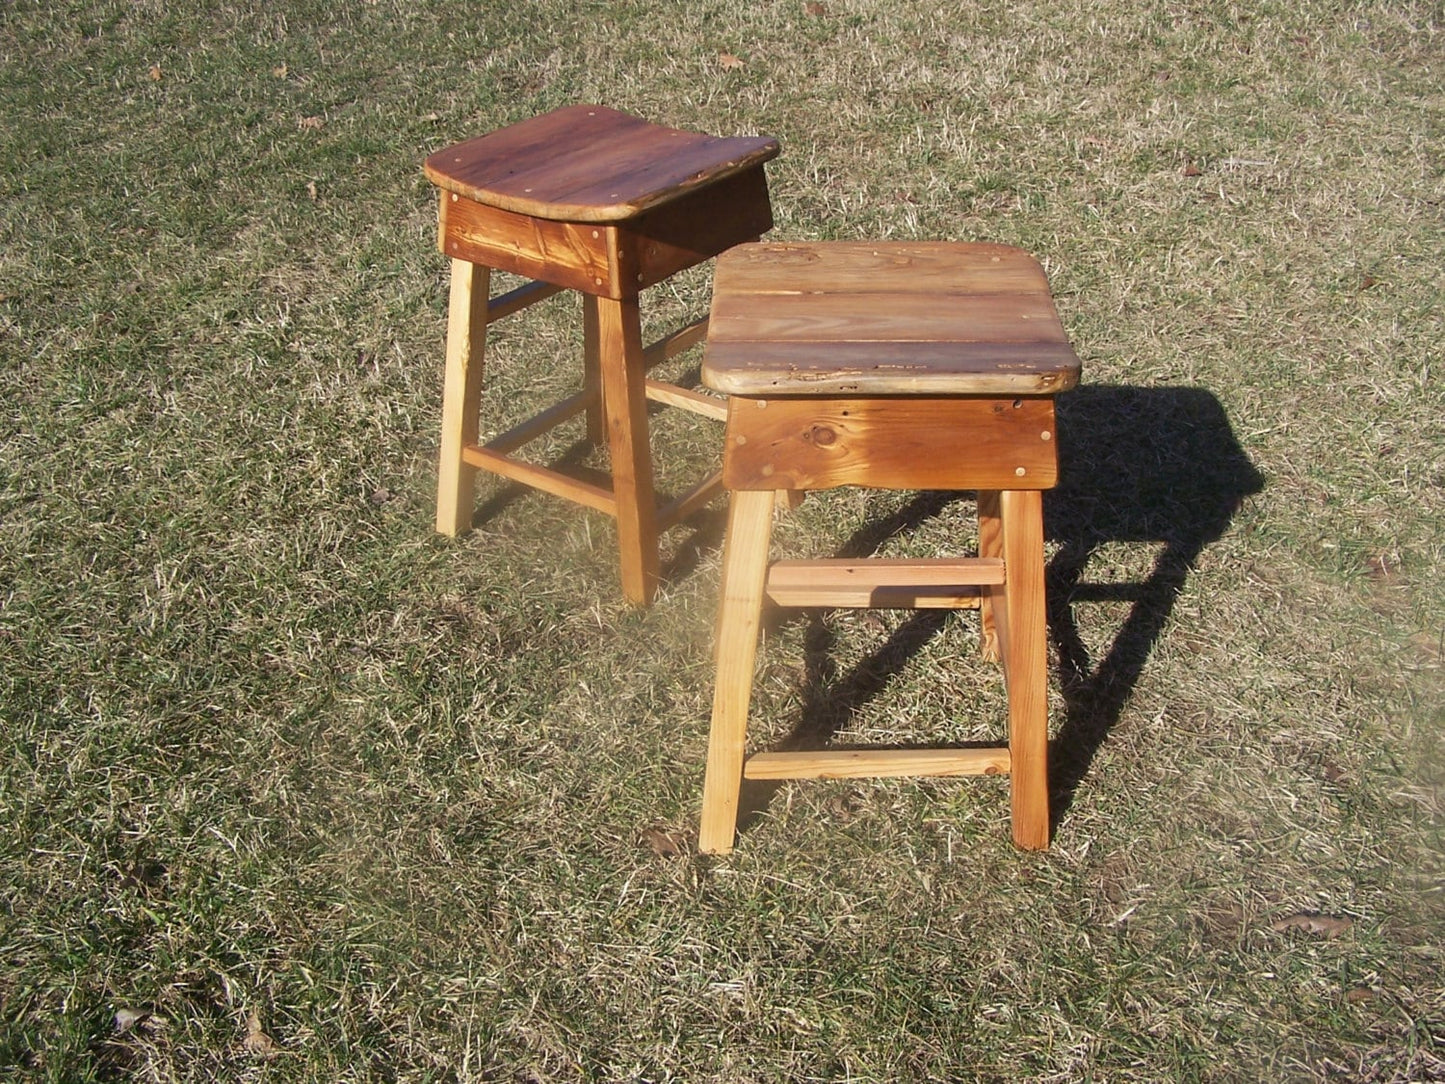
{"points": [[624, 399], [990, 544], [1023, 639], [462, 394], [592, 371], [745, 572]]}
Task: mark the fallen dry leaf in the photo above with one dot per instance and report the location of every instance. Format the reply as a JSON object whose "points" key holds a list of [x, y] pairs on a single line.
{"points": [[1326, 925], [311, 189], [1191, 170], [1379, 567], [125, 1019], [727, 60], [815, 8], [664, 844], [143, 875], [279, 71], [257, 1042], [155, 73], [1431, 647], [309, 124], [1359, 994]]}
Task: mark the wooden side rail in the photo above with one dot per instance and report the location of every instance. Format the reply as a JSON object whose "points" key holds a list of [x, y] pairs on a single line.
{"points": [[496, 454], [529, 293], [860, 763], [535, 426], [543, 478], [674, 512], [709, 406], [678, 342], [884, 583]]}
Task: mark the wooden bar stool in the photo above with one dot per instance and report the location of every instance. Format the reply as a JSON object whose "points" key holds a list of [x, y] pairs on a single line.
{"points": [[588, 199], [894, 366]]}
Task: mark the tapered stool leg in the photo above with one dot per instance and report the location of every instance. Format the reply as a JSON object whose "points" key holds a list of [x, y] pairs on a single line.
{"points": [[744, 575], [990, 544], [462, 394], [624, 399], [1024, 645], [592, 371]]}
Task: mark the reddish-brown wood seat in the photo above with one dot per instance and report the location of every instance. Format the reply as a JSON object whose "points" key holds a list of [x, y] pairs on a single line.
{"points": [[593, 200], [926, 365]]}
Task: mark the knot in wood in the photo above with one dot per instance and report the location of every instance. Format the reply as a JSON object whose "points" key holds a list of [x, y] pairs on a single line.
{"points": [[820, 435]]}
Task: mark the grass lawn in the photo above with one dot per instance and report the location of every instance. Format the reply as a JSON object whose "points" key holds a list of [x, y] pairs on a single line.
{"points": [[292, 788]]}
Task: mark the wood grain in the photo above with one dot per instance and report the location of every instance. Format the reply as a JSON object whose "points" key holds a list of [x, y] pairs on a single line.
{"points": [[892, 443], [745, 566], [461, 395], [695, 227], [522, 297], [578, 257], [1025, 662], [592, 371], [990, 544], [876, 763], [624, 402], [544, 478], [586, 163], [883, 583], [936, 318], [881, 267]]}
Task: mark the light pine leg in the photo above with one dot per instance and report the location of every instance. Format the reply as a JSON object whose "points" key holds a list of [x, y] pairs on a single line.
{"points": [[624, 399], [745, 571], [592, 371], [990, 544], [1025, 663], [462, 395]]}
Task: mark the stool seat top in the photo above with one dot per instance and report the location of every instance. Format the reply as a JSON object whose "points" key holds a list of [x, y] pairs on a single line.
{"points": [[884, 318], [587, 163]]}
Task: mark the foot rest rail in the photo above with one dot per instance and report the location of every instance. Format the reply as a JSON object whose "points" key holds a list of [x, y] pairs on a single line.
{"points": [[884, 583], [876, 763]]}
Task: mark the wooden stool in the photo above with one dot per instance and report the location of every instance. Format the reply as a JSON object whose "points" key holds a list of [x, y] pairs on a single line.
{"points": [[894, 366], [586, 199]]}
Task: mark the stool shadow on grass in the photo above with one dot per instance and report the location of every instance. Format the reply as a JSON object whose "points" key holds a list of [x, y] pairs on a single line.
{"points": [[1151, 466], [1156, 467]]}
